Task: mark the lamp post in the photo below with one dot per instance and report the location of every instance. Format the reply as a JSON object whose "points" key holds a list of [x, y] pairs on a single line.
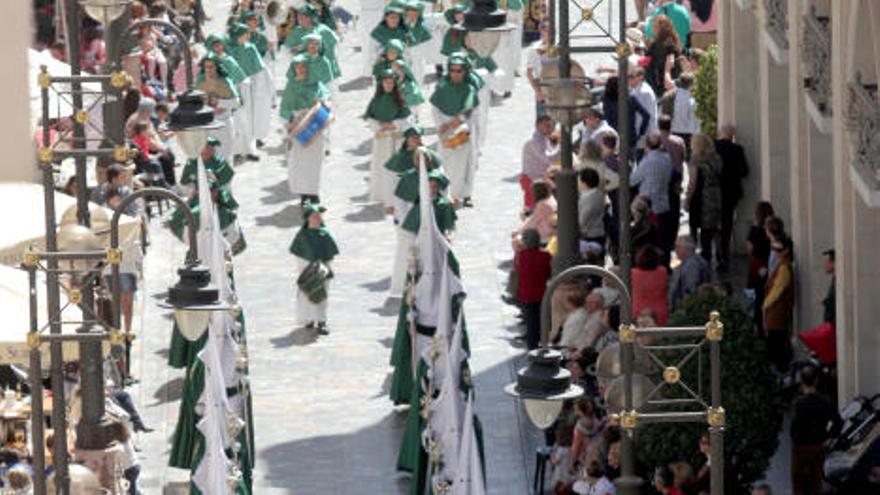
{"points": [[485, 24], [622, 372], [570, 99]]}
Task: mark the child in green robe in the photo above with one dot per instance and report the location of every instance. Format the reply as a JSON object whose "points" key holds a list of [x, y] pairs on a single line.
{"points": [[313, 243], [392, 59], [387, 114]]}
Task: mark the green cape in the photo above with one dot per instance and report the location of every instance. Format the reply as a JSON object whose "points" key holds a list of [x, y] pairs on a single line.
{"points": [[452, 99], [409, 87], [230, 67], [418, 31], [401, 161], [329, 41], [221, 72], [384, 108], [383, 34], [408, 185], [216, 164], [444, 216], [299, 95], [314, 244], [247, 55]]}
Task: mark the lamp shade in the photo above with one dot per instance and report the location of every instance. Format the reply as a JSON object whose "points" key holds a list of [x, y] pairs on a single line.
{"points": [[104, 11], [191, 120], [543, 385], [75, 238], [614, 394], [193, 298], [485, 23], [568, 98]]}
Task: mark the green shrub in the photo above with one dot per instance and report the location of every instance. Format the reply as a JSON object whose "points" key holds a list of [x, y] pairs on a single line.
{"points": [[750, 396], [706, 92]]}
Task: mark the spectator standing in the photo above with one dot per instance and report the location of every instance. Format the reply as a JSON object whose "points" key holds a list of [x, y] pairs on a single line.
{"points": [[677, 150], [650, 284], [643, 231], [534, 266], [734, 168], [635, 108], [704, 194], [591, 208], [543, 217], [537, 55], [689, 275], [676, 13], [537, 155], [591, 129], [684, 109], [643, 92], [665, 44], [779, 304], [829, 307], [813, 419], [758, 247], [653, 176]]}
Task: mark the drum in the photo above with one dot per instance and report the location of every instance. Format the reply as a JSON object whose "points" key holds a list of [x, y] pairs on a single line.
{"points": [[312, 124], [313, 281], [459, 136]]}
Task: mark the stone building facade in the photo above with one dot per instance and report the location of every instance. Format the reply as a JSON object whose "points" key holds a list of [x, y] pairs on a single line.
{"points": [[799, 79]]}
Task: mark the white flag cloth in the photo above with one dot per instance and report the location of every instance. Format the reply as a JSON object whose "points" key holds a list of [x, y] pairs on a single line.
{"points": [[211, 474], [469, 479]]}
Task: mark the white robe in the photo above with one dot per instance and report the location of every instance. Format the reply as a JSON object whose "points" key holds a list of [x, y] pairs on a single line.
{"points": [[383, 181], [306, 310], [262, 89], [460, 163], [244, 129], [304, 164], [405, 242], [509, 53], [372, 12], [226, 133], [482, 111], [436, 23]]}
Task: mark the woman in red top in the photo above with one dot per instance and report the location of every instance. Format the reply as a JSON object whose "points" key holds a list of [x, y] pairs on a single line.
{"points": [[534, 265], [650, 283]]}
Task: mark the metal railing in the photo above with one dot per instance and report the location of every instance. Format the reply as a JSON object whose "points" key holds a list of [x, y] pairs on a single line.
{"points": [[863, 121], [816, 56], [776, 21]]}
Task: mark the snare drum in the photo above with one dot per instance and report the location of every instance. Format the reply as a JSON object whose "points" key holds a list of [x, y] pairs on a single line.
{"points": [[312, 124], [459, 136]]}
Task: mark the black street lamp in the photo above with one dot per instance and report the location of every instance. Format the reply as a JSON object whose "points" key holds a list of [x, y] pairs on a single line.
{"points": [[543, 386], [485, 24]]}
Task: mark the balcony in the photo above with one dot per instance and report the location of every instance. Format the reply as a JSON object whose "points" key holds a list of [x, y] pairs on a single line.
{"points": [[776, 29], [863, 123], [816, 59]]}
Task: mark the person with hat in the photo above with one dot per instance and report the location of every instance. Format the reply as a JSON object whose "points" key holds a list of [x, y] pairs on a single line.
{"points": [[313, 245], [265, 41], [307, 23], [215, 166], [592, 128], [390, 28], [455, 101], [392, 59], [258, 102], [304, 161], [387, 113], [420, 38], [222, 96], [410, 161]]}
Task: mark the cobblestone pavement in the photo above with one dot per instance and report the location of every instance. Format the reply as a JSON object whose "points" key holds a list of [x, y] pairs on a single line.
{"points": [[324, 424]]}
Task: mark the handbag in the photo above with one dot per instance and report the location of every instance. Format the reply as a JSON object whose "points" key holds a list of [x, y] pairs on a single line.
{"points": [[313, 281]]}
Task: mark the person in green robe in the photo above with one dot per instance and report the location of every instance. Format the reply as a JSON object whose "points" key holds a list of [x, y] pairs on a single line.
{"points": [[260, 40], [222, 95], [392, 59], [391, 28], [455, 101], [258, 100], [388, 114], [320, 68], [453, 40], [325, 14], [216, 45], [444, 212], [227, 213], [308, 22], [313, 243], [216, 167], [419, 50], [304, 161]]}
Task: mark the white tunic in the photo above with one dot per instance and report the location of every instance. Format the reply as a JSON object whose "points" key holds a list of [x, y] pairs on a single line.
{"points": [[460, 163], [405, 242], [306, 310], [436, 23], [382, 180], [371, 16], [263, 89], [509, 53], [482, 110], [244, 129], [304, 163], [226, 133]]}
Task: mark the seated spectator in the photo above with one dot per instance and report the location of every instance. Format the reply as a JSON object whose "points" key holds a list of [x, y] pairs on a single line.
{"points": [[561, 456], [145, 162], [650, 284], [689, 275], [534, 267], [543, 215], [585, 325], [586, 429], [163, 153]]}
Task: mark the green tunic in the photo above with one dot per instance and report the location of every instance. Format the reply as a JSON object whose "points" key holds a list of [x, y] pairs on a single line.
{"points": [[444, 216], [299, 95], [314, 244], [320, 69], [329, 41], [383, 34], [230, 67], [384, 108], [216, 165], [454, 98], [411, 90], [408, 185], [247, 56], [261, 42], [418, 31]]}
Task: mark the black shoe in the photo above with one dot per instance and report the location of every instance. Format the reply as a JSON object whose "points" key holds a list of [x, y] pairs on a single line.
{"points": [[327, 152], [467, 203], [252, 157], [322, 328], [260, 143], [129, 381], [508, 299], [310, 325], [139, 426], [439, 70], [507, 94]]}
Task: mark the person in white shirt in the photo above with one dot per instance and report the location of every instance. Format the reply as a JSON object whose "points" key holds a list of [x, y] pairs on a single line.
{"points": [[585, 325], [643, 92], [684, 110], [536, 55], [592, 128]]}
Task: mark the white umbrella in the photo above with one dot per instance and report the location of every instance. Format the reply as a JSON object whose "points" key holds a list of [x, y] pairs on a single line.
{"points": [[24, 223]]}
